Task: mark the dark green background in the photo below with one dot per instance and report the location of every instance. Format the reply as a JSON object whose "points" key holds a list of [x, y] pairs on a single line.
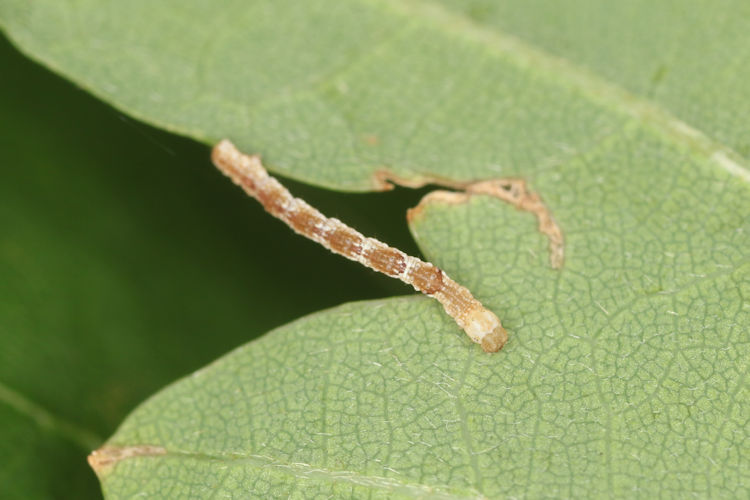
{"points": [[127, 261]]}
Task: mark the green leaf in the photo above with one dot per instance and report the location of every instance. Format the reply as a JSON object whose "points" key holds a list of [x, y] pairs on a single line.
{"points": [[343, 91], [689, 58], [624, 374], [125, 263], [626, 371], [409, 89]]}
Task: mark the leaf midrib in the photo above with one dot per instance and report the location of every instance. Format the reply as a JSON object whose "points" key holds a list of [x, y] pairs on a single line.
{"points": [[307, 471], [600, 90]]}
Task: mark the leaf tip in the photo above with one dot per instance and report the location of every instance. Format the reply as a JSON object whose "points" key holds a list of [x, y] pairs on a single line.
{"points": [[104, 458]]}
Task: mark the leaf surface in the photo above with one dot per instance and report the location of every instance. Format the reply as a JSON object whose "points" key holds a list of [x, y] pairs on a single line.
{"points": [[690, 58], [410, 91], [124, 264], [617, 379], [626, 370]]}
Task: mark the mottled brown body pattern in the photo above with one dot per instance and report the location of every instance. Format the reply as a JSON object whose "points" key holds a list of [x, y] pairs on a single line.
{"points": [[480, 324]]}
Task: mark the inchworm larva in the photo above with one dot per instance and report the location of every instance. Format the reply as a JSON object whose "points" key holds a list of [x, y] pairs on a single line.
{"points": [[480, 324]]}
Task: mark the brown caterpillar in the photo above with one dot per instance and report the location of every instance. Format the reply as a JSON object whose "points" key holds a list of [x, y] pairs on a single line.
{"points": [[480, 324]]}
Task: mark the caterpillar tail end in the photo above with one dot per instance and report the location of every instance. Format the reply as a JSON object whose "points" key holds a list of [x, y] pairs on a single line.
{"points": [[495, 340], [485, 329]]}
